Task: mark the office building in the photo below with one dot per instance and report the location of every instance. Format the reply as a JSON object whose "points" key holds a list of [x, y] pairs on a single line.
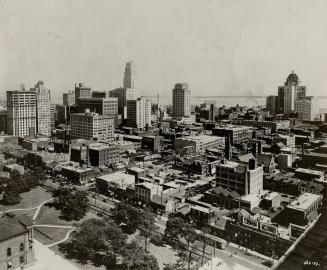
{"points": [[289, 93], [21, 112], [307, 108], [139, 113], [236, 134], [68, 99], [200, 143], [242, 178], [101, 154], [273, 125], [100, 94], [181, 100], [272, 104], [92, 126], [81, 91], [123, 95], [129, 76], [99, 105]]}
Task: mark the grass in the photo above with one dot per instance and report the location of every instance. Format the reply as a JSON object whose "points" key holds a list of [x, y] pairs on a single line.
{"points": [[51, 215], [49, 235], [30, 199]]}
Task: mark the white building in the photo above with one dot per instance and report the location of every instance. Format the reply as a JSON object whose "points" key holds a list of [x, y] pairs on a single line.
{"points": [[307, 108], [92, 126], [244, 179], [181, 100], [21, 112], [139, 113], [289, 93], [43, 114], [200, 143]]}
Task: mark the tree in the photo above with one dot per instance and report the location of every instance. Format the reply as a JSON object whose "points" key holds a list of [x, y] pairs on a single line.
{"points": [[98, 241], [174, 229], [134, 258], [73, 205], [147, 226], [127, 216], [11, 198]]}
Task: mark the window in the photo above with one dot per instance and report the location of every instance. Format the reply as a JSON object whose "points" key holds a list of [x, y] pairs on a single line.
{"points": [[21, 259], [21, 247], [8, 252], [9, 265]]}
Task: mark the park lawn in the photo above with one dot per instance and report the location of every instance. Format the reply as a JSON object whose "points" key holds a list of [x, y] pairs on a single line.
{"points": [[163, 254], [30, 199], [52, 216], [49, 235]]}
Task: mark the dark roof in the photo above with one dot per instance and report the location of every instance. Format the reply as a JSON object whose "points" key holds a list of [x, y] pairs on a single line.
{"points": [[225, 192], [264, 159], [11, 226]]}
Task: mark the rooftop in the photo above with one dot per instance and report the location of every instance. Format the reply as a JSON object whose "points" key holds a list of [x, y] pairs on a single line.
{"points": [[304, 201], [11, 226], [120, 178]]}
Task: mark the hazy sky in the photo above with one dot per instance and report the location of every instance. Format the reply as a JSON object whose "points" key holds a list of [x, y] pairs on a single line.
{"points": [[219, 47]]}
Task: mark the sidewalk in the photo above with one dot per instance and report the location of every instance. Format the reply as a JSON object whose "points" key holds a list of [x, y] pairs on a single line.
{"points": [[46, 259]]}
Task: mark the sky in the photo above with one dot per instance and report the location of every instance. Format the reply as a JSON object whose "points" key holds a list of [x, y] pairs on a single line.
{"points": [[218, 47]]}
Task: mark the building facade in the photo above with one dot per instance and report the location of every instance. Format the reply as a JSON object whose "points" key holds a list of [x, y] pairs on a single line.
{"points": [[181, 100], [272, 104], [98, 105], [68, 99], [92, 126], [123, 95], [200, 143], [307, 108], [244, 179], [129, 76], [139, 113], [21, 112], [289, 93], [81, 91], [236, 134]]}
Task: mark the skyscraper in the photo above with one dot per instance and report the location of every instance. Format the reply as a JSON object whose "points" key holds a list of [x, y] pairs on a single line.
{"points": [[21, 112], [181, 100], [139, 113], [129, 76], [43, 115], [290, 92]]}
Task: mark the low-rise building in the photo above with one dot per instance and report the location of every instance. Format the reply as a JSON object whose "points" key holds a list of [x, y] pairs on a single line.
{"points": [[242, 178], [77, 174], [145, 192], [115, 183], [16, 241], [200, 143], [304, 209], [100, 154], [310, 175], [237, 134], [152, 143]]}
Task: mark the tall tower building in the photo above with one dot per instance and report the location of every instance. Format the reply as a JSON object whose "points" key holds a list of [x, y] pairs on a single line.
{"points": [[181, 100], [139, 113], [81, 91], [272, 104], [21, 112], [43, 112], [290, 92], [129, 76]]}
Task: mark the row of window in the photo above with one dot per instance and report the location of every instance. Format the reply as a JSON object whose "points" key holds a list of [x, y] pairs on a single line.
{"points": [[21, 248]]}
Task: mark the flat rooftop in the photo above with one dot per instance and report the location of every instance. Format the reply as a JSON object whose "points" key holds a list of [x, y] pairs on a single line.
{"points": [[120, 178], [233, 127], [76, 169], [308, 171], [203, 138], [304, 201]]}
